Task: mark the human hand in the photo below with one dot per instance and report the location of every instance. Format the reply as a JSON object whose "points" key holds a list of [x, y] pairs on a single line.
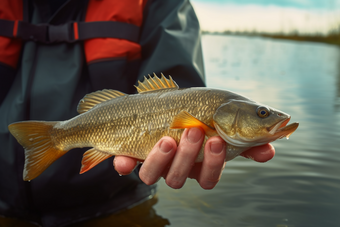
{"points": [[177, 163]]}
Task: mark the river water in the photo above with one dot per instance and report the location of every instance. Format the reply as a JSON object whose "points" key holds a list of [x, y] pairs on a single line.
{"points": [[301, 185]]}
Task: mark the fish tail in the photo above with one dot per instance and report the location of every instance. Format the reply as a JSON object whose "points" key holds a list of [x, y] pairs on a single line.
{"points": [[40, 151]]}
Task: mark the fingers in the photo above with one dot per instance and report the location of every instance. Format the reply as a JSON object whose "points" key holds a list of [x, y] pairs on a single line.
{"points": [[176, 166], [213, 163], [187, 151], [124, 165], [177, 163], [158, 160], [261, 153]]}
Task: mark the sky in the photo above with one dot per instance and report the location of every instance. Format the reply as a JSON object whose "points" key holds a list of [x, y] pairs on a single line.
{"points": [[283, 16]]}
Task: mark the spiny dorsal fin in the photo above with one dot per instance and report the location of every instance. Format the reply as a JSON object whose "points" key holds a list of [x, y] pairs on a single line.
{"points": [[154, 83], [94, 98]]}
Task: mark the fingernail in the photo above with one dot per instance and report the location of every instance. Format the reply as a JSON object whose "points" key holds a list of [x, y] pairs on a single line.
{"points": [[216, 147], [165, 146], [194, 135]]}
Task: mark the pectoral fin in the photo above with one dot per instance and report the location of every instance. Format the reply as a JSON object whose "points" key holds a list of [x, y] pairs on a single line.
{"points": [[91, 158], [186, 120]]}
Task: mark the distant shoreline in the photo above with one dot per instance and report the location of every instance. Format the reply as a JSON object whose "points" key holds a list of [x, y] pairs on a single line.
{"points": [[333, 39]]}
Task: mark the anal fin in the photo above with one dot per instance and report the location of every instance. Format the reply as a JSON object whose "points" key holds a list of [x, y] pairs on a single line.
{"points": [[186, 120], [91, 158]]}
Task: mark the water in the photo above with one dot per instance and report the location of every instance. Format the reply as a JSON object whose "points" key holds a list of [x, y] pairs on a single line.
{"points": [[301, 185]]}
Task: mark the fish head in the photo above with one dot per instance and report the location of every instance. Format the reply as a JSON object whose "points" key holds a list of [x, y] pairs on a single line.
{"points": [[247, 124]]}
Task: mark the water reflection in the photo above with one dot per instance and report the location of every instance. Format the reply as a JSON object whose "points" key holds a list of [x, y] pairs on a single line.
{"points": [[141, 215]]}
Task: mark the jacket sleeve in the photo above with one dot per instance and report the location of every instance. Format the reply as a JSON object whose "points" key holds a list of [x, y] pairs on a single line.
{"points": [[171, 43]]}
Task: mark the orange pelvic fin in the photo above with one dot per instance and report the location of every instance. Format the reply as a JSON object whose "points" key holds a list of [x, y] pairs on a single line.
{"points": [[186, 120], [91, 158], [40, 152]]}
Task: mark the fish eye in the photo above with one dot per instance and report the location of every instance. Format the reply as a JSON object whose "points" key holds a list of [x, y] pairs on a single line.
{"points": [[262, 111]]}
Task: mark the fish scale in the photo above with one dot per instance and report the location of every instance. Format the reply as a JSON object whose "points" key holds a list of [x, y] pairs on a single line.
{"points": [[114, 123]]}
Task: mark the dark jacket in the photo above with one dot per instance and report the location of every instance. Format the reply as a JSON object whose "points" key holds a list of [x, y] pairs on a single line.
{"points": [[47, 84]]}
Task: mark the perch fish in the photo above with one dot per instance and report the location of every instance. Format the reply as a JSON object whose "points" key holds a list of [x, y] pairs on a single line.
{"points": [[114, 123]]}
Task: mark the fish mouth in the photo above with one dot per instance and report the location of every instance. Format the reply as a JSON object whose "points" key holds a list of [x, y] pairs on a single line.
{"points": [[281, 129]]}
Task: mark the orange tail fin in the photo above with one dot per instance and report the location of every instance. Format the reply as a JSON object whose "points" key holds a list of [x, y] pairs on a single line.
{"points": [[40, 152]]}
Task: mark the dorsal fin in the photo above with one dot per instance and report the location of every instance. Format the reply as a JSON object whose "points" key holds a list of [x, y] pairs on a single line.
{"points": [[94, 98], [154, 83]]}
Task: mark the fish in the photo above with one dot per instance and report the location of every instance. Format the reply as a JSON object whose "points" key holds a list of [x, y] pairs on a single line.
{"points": [[113, 123]]}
